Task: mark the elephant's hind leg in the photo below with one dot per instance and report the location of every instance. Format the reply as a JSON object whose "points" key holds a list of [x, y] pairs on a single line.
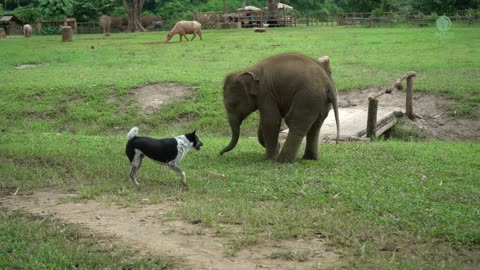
{"points": [[290, 148], [311, 149], [269, 129]]}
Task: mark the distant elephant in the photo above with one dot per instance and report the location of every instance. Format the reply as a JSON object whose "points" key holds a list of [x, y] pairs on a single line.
{"points": [[289, 86], [105, 24], [27, 30], [155, 25], [118, 23], [148, 20]]}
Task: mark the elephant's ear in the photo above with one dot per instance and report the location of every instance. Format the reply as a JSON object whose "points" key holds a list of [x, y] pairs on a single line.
{"points": [[250, 82], [254, 76]]}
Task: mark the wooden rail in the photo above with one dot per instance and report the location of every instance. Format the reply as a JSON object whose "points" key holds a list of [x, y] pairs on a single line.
{"points": [[375, 128]]}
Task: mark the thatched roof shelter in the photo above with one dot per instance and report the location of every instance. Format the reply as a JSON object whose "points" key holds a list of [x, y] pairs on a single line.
{"points": [[12, 24], [249, 8]]}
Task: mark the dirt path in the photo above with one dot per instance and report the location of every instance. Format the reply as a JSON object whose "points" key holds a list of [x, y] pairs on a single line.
{"points": [[147, 229]]}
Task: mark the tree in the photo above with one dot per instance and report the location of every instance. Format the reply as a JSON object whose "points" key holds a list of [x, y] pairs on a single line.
{"points": [[272, 5], [87, 10], [54, 9], [134, 11]]}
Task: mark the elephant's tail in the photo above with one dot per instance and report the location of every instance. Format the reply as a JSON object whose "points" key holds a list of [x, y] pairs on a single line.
{"points": [[332, 96]]}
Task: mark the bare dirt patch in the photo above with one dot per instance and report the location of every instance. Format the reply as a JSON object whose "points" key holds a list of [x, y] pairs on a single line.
{"points": [[154, 96], [148, 229], [435, 120]]}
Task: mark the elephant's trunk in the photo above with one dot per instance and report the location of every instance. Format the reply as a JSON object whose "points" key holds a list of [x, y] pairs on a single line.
{"points": [[235, 123]]}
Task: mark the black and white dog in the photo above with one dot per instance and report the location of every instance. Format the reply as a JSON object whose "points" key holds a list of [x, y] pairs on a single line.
{"points": [[166, 151]]}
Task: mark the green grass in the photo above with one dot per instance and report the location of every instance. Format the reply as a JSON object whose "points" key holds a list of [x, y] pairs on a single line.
{"points": [[86, 86], [388, 204], [417, 200]]}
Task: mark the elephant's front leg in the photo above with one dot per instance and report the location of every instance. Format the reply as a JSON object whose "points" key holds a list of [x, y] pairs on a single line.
{"points": [[270, 128], [261, 140]]}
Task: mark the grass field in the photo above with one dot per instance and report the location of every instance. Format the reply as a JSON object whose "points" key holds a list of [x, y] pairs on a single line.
{"points": [[388, 204]]}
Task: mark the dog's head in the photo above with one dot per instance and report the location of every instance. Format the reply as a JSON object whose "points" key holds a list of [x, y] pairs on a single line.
{"points": [[193, 138]]}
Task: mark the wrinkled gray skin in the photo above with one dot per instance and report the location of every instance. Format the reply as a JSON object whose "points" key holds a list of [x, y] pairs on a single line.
{"points": [[118, 23], [292, 87], [148, 20], [27, 30]]}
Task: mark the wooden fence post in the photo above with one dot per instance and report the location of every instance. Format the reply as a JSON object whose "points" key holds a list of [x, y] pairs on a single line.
{"points": [[372, 117], [3, 34], [409, 101]]}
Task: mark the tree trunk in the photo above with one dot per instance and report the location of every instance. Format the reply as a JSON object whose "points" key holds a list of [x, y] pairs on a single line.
{"points": [[272, 6], [134, 11]]}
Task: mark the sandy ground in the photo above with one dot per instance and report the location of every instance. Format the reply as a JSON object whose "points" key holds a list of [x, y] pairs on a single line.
{"points": [[434, 119], [146, 228]]}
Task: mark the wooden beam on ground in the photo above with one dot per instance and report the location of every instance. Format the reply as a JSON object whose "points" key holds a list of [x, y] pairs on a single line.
{"points": [[387, 123], [383, 125]]}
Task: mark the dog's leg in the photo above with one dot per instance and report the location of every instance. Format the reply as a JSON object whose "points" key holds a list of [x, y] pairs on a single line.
{"points": [[133, 172], [183, 177], [136, 164]]}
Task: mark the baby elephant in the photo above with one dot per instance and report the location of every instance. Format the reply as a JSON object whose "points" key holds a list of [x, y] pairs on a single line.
{"points": [[185, 27], [27, 30]]}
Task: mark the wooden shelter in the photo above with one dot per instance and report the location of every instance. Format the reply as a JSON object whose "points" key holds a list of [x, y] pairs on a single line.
{"points": [[12, 24]]}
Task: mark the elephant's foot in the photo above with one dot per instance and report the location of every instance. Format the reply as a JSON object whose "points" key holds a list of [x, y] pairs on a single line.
{"points": [[284, 159], [310, 155], [271, 156]]}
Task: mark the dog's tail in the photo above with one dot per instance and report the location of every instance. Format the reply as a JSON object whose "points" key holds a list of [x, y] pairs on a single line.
{"points": [[132, 133]]}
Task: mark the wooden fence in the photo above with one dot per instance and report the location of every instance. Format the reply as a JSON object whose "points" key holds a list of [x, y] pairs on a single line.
{"points": [[282, 18], [88, 28]]}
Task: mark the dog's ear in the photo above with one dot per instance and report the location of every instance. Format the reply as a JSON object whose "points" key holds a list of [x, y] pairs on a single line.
{"points": [[194, 131]]}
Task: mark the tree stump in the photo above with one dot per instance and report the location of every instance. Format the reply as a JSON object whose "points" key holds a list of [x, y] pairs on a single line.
{"points": [[67, 33], [3, 34]]}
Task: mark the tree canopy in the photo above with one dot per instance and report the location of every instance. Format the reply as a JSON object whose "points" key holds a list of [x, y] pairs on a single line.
{"points": [[86, 10]]}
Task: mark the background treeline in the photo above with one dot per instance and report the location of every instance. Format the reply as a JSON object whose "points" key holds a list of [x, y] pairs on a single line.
{"points": [[89, 10]]}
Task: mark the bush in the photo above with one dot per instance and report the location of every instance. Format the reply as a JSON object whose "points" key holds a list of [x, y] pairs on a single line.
{"points": [[28, 14]]}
